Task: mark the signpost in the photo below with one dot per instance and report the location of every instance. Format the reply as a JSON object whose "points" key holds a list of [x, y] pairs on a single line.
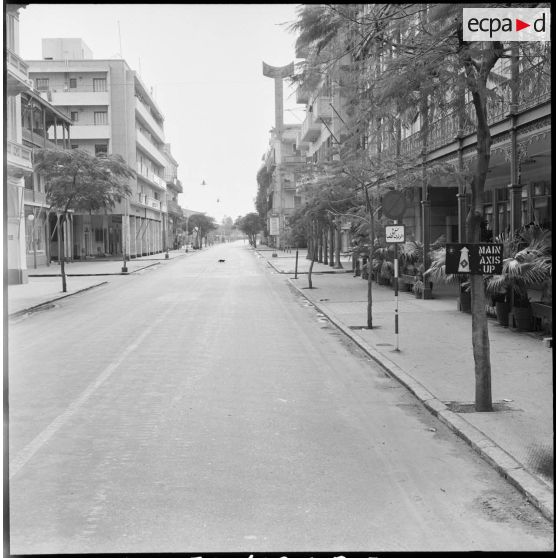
{"points": [[395, 234], [475, 259]]}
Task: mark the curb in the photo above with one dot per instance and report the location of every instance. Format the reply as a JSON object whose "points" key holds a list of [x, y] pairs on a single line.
{"points": [[540, 495], [306, 272], [38, 306], [95, 274]]}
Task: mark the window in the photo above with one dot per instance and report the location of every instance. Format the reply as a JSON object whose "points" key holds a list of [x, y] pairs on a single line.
{"points": [[74, 116], [73, 83], [42, 84], [100, 118], [101, 149], [99, 84]]}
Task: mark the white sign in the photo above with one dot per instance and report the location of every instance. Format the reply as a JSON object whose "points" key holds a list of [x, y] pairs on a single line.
{"points": [[274, 226], [506, 24], [395, 233]]}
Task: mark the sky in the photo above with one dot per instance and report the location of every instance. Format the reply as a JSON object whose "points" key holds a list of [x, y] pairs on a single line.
{"points": [[204, 63]]}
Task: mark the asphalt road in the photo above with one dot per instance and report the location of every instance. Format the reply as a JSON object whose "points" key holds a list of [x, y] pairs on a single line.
{"points": [[206, 407]]}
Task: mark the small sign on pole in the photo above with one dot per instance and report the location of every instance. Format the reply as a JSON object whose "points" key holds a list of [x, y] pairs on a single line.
{"points": [[395, 233]]}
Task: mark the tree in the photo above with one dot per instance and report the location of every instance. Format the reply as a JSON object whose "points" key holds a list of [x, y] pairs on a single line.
{"points": [[401, 64], [201, 224], [251, 224], [78, 181]]}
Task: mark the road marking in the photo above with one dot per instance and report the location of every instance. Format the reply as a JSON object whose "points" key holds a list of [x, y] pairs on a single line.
{"points": [[35, 445]]}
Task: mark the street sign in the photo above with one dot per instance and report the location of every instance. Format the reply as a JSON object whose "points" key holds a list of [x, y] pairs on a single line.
{"points": [[395, 233], [393, 204], [476, 259]]}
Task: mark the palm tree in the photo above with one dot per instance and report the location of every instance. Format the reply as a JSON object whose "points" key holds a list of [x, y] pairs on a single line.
{"points": [[527, 264]]}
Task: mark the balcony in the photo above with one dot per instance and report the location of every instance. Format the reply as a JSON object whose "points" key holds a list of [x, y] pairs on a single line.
{"points": [[311, 129], [148, 119], [151, 177], [152, 202], [34, 197], [19, 156], [37, 138], [293, 159], [76, 97], [17, 76], [321, 109], [534, 89], [145, 143], [89, 132]]}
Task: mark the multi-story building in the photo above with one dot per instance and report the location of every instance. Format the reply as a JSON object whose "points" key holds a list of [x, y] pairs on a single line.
{"points": [[283, 161], [518, 185], [112, 112], [32, 123], [175, 216]]}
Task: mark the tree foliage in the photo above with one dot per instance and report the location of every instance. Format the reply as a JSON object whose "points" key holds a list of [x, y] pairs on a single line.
{"points": [[76, 180]]}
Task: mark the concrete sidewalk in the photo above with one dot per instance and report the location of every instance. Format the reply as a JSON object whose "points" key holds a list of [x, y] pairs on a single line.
{"points": [[45, 283], [435, 362]]}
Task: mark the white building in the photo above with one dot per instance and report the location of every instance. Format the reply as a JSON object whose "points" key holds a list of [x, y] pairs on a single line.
{"points": [[112, 112]]}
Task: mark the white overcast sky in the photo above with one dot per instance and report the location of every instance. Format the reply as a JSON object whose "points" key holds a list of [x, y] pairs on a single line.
{"points": [[204, 62]]}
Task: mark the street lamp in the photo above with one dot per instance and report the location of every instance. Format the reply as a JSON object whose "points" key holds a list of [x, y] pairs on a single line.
{"points": [[31, 219]]}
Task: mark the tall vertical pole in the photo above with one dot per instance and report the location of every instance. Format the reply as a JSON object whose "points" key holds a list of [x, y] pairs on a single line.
{"points": [[396, 291]]}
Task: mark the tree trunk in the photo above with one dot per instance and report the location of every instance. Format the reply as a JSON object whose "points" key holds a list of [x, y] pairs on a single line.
{"points": [[320, 242], [370, 255], [331, 244], [480, 340], [61, 242], [338, 264], [325, 243]]}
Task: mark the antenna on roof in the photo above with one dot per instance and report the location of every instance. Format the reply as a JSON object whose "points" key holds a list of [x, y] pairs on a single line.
{"points": [[119, 38]]}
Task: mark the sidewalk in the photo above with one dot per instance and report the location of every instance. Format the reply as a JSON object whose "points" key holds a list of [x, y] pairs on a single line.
{"points": [[45, 282], [435, 362]]}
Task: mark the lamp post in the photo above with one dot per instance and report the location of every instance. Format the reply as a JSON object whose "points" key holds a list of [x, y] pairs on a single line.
{"points": [[125, 236], [31, 219]]}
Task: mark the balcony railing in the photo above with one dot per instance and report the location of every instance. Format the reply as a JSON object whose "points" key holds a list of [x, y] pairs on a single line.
{"points": [[19, 154], [146, 115], [293, 159], [152, 202], [147, 144], [534, 89], [17, 65], [321, 110], [310, 129], [152, 177]]}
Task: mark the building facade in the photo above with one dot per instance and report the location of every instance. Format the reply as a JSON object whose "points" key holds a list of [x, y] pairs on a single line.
{"points": [[518, 185], [31, 123], [175, 218], [283, 161], [112, 112]]}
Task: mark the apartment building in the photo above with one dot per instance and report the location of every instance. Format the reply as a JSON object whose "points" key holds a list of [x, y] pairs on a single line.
{"points": [[31, 123], [284, 162], [112, 112], [175, 216]]}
